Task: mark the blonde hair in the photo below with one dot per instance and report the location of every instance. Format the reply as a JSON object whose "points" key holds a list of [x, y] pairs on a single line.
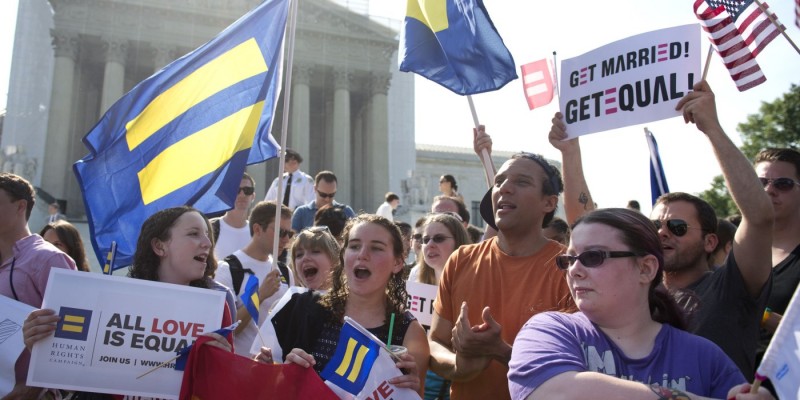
{"points": [[315, 238]]}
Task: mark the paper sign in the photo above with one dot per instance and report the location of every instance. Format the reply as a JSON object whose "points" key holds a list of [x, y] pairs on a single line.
{"points": [[631, 81], [113, 329], [12, 315], [420, 301]]}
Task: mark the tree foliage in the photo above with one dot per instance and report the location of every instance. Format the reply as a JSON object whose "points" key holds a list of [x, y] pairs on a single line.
{"points": [[777, 124]]}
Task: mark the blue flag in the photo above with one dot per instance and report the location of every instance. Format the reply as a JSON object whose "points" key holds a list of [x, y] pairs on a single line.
{"points": [[658, 182], [185, 135], [455, 44], [250, 297], [351, 364]]}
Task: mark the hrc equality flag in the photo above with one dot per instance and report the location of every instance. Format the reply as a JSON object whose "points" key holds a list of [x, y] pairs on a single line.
{"points": [[361, 366], [215, 374], [250, 297], [658, 181], [455, 44], [537, 83], [185, 135]]}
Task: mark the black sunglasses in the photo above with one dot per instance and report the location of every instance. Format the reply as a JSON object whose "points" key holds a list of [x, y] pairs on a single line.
{"points": [[416, 236], [436, 239], [678, 227], [782, 184], [326, 195], [247, 190], [286, 233], [591, 258]]}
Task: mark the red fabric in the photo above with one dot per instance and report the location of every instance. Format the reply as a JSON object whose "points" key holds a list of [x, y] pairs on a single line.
{"points": [[537, 83], [212, 373]]}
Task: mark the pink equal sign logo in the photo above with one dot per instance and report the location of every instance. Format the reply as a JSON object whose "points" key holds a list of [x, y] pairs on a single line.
{"points": [[611, 100]]}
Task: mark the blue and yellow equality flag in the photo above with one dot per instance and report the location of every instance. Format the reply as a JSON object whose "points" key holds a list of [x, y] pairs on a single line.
{"points": [[455, 44], [250, 298], [185, 135]]}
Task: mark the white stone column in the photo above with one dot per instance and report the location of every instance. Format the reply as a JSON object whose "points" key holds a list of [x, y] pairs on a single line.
{"points": [[342, 159], [378, 140], [116, 51], [300, 121], [59, 125]]}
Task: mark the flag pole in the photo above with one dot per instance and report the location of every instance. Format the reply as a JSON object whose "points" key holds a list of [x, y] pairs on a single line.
{"points": [[777, 25], [708, 61], [488, 167], [287, 95], [555, 76]]}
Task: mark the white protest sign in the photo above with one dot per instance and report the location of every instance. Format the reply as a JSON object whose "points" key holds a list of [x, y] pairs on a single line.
{"points": [[12, 315], [420, 301], [113, 329], [631, 81]]}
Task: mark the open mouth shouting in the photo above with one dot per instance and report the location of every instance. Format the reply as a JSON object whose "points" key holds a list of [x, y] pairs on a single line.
{"points": [[361, 273]]}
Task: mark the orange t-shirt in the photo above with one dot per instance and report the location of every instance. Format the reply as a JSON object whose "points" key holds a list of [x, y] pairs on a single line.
{"points": [[515, 288]]}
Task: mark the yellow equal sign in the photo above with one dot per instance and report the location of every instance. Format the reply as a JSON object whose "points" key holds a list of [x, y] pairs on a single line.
{"points": [[433, 13], [208, 149], [349, 362], [69, 320]]}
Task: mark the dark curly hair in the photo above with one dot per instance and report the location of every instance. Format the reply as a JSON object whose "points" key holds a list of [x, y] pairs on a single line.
{"points": [[157, 226], [71, 238], [396, 295]]}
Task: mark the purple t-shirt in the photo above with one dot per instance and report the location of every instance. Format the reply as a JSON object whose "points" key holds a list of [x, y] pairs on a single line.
{"points": [[552, 343]]}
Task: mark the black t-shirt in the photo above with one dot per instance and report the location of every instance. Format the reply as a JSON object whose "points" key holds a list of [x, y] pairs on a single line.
{"points": [[785, 279]]}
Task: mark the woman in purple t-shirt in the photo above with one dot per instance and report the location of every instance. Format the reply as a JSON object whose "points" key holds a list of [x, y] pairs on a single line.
{"points": [[627, 341]]}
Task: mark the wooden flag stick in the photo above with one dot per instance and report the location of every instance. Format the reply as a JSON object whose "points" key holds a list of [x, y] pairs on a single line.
{"points": [[488, 167], [555, 75], [708, 61], [777, 25], [162, 365]]}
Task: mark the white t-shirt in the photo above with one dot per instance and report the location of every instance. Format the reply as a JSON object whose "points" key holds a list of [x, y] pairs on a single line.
{"points": [[231, 239], [385, 211], [244, 339]]}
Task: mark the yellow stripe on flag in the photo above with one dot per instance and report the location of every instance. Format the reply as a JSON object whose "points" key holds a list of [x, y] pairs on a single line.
{"points": [[74, 319], [233, 66], [362, 352], [72, 328], [254, 299], [199, 154], [433, 13], [348, 357]]}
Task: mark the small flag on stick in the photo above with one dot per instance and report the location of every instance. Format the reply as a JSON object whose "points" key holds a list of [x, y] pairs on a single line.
{"points": [[658, 181], [537, 81]]}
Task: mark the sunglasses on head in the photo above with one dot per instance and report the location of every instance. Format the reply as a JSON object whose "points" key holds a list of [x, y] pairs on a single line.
{"points": [[317, 229], [286, 233], [247, 190], [591, 258], [435, 238], [326, 195], [782, 184], [678, 227]]}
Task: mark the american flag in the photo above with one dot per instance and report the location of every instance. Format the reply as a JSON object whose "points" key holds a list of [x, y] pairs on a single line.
{"points": [[739, 30], [797, 13]]}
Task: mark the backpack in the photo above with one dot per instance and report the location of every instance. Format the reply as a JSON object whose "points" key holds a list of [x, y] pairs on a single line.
{"points": [[237, 272]]}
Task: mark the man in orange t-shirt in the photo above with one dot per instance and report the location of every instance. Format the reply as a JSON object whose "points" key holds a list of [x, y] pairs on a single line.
{"points": [[500, 283]]}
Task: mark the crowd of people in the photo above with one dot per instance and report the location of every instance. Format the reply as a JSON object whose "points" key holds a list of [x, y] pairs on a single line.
{"points": [[606, 303]]}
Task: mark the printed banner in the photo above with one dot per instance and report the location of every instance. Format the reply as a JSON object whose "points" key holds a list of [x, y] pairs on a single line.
{"points": [[113, 329], [631, 81], [12, 315], [420, 301]]}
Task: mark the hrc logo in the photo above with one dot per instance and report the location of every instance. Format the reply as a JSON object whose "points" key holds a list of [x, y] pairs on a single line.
{"points": [[351, 365], [74, 323]]}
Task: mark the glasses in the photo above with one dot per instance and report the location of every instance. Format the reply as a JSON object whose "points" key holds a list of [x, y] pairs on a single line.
{"points": [[678, 227], [416, 236], [286, 233], [247, 190], [326, 195], [782, 184], [435, 238], [591, 258], [316, 229]]}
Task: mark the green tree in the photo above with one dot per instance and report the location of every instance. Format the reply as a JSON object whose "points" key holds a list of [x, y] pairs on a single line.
{"points": [[777, 124]]}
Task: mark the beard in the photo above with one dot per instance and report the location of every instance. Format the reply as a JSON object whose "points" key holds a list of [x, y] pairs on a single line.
{"points": [[685, 257]]}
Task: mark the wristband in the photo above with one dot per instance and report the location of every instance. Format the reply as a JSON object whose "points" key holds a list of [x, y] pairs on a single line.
{"points": [[765, 317]]}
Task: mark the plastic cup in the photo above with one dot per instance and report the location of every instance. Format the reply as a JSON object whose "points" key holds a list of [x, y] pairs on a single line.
{"points": [[397, 351]]}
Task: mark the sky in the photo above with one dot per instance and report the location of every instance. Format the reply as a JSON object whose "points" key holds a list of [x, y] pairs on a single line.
{"points": [[616, 162]]}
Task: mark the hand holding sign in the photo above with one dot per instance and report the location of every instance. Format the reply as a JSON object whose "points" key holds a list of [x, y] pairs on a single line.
{"points": [[699, 108], [558, 136], [39, 325]]}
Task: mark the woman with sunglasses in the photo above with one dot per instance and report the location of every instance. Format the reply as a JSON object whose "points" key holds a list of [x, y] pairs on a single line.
{"points": [[368, 287], [627, 341], [442, 234], [314, 254]]}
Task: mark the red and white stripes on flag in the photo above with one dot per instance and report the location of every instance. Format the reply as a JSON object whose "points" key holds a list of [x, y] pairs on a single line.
{"points": [[797, 13], [538, 83], [739, 30]]}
